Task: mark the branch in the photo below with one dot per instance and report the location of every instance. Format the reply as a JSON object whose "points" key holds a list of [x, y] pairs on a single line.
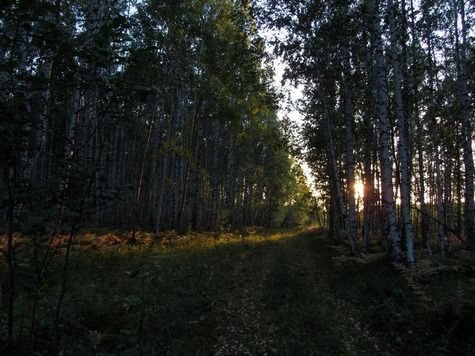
{"points": [[447, 228]]}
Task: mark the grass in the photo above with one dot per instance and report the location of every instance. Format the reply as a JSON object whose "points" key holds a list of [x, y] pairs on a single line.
{"points": [[426, 310], [166, 296], [304, 322]]}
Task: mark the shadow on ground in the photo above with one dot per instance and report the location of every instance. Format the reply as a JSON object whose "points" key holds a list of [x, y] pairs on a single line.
{"points": [[274, 293]]}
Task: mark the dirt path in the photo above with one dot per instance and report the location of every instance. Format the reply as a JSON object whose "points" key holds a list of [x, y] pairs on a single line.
{"points": [[280, 302], [243, 325], [342, 316]]}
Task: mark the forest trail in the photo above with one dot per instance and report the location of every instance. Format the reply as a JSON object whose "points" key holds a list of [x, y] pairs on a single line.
{"points": [[279, 301], [279, 292], [243, 327]]}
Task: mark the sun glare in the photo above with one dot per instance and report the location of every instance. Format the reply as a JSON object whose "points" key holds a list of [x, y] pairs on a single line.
{"points": [[359, 190]]}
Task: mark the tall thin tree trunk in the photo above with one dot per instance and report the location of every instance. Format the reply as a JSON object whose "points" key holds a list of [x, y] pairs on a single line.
{"points": [[434, 135], [422, 186], [467, 123], [198, 158], [193, 148], [439, 199], [161, 194], [335, 175], [350, 160], [230, 185], [402, 144], [368, 147], [387, 193], [367, 182], [424, 221], [448, 201], [11, 179], [215, 196], [142, 168]]}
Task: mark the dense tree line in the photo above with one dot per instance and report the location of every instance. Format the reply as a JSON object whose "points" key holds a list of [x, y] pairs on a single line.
{"points": [[160, 114], [163, 106], [155, 114], [387, 84]]}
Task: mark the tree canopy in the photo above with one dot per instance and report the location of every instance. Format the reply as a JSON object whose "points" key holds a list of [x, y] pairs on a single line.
{"points": [[388, 102]]}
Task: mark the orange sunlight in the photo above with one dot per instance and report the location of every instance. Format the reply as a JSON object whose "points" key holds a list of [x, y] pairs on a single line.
{"points": [[359, 189]]}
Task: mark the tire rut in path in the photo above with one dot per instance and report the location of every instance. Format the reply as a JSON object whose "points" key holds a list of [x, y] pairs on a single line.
{"points": [[339, 315], [243, 325]]}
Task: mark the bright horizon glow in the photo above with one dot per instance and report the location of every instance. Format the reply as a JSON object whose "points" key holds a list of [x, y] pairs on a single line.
{"points": [[359, 189]]}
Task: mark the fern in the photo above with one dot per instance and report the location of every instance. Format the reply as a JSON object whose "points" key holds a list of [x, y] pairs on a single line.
{"points": [[363, 258], [420, 277], [416, 278]]}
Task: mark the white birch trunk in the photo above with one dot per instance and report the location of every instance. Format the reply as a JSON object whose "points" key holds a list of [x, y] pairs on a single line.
{"points": [[72, 122], [402, 144], [387, 193], [439, 199], [350, 160], [367, 181], [448, 202], [335, 175], [467, 130]]}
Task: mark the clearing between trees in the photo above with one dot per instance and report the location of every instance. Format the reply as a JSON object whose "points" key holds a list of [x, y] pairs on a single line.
{"points": [[270, 293]]}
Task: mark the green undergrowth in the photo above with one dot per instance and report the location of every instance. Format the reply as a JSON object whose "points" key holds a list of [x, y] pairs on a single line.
{"points": [[162, 297], [156, 297], [304, 322], [428, 309]]}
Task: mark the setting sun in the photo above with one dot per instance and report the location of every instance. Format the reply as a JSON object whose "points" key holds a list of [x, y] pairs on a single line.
{"points": [[359, 190]]}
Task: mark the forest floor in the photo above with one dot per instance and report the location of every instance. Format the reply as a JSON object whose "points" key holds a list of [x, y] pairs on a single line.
{"points": [[281, 301], [270, 293]]}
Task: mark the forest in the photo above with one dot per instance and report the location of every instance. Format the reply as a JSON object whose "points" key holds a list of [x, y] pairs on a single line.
{"points": [[153, 191]]}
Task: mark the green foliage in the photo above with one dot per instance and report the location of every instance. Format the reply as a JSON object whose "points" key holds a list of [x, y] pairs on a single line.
{"points": [[424, 309], [172, 294], [301, 320]]}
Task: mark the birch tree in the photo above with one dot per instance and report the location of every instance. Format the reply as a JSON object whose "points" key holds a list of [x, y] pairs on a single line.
{"points": [[467, 123], [387, 192], [402, 138]]}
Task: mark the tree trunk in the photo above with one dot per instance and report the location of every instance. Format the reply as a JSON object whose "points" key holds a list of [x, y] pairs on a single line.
{"points": [[387, 193], [368, 180], [136, 207], [434, 135], [10, 255], [335, 175], [350, 160], [467, 122], [402, 144], [215, 196], [230, 185], [448, 201]]}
